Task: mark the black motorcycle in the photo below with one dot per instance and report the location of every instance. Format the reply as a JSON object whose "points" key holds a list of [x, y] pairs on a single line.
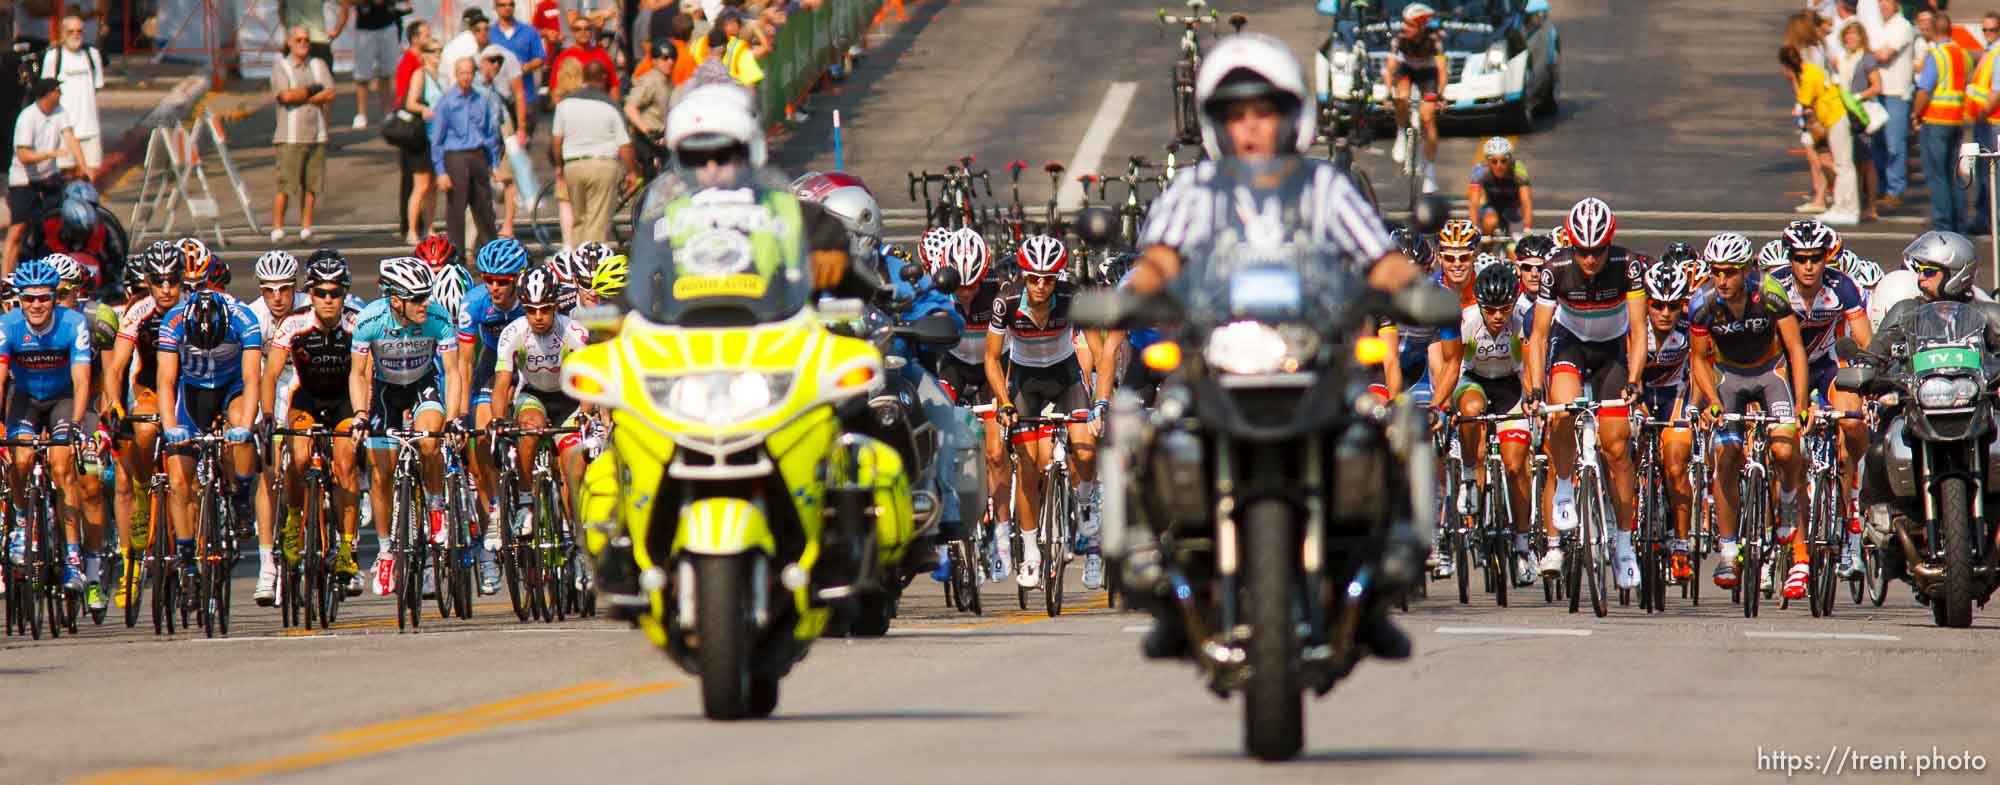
{"points": [[1279, 514], [1938, 452]]}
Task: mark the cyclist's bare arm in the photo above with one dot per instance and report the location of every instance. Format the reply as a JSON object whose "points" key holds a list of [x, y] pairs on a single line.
{"points": [[1537, 356], [79, 378], [280, 357], [1527, 209], [360, 378], [1701, 369], [1635, 339], [253, 369], [503, 393], [169, 392], [1106, 356], [1859, 329], [1392, 370], [1475, 199], [1445, 357], [1795, 358], [996, 375], [114, 374]]}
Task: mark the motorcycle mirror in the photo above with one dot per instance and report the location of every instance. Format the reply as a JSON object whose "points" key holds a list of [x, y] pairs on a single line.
{"points": [[933, 329], [1430, 306], [1846, 349], [1096, 225], [1854, 378], [945, 280], [602, 319]]}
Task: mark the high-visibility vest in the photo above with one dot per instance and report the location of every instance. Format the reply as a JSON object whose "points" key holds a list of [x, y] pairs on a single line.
{"points": [[1979, 103], [1947, 106], [742, 63]]}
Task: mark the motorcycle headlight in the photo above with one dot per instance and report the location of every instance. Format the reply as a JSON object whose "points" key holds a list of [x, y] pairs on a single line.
{"points": [[1246, 348], [1947, 392], [719, 397], [1496, 56]]}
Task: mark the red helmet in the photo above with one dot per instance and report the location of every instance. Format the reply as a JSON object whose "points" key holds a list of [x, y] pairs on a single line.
{"points": [[1042, 255], [1591, 224], [436, 251]]}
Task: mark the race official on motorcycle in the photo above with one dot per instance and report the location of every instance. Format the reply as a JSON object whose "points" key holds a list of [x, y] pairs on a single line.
{"points": [[1256, 120]]}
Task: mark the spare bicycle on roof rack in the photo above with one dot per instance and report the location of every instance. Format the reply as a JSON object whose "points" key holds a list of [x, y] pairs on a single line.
{"points": [[1187, 120]]}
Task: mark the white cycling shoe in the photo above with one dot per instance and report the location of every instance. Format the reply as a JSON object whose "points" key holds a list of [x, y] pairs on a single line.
{"points": [[1400, 150], [1625, 559], [1551, 563], [1093, 571], [1031, 574]]}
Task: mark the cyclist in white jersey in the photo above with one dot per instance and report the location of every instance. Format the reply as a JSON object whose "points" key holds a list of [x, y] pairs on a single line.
{"points": [[527, 386]]}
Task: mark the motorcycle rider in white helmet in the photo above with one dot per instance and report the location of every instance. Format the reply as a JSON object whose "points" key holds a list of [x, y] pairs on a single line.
{"points": [[1256, 117]]}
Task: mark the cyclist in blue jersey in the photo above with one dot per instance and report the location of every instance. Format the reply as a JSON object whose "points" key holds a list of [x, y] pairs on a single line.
{"points": [[489, 308], [208, 346], [45, 352], [1415, 354], [405, 374]]}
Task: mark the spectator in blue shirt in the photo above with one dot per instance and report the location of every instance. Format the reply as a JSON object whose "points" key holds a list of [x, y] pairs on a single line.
{"points": [[465, 148], [526, 44]]}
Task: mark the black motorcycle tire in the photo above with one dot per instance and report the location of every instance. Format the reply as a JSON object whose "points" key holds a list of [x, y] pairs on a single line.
{"points": [[722, 584], [1273, 705], [1953, 608]]}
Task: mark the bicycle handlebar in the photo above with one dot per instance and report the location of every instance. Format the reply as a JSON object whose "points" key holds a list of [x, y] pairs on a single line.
{"points": [[1192, 21], [1575, 407], [508, 433]]}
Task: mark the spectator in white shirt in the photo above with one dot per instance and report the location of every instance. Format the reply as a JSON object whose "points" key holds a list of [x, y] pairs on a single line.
{"points": [[80, 69], [1892, 38], [35, 181], [590, 143]]}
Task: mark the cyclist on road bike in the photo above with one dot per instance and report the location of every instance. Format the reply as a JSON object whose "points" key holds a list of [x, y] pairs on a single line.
{"points": [[491, 306], [139, 326], [962, 370], [1745, 345], [1531, 259], [1829, 304], [1498, 195], [312, 347], [1416, 63], [1492, 330], [1458, 249], [1420, 349], [1589, 339], [1032, 367], [526, 390], [78, 292], [210, 354], [278, 297], [405, 375], [45, 353], [1668, 398]]}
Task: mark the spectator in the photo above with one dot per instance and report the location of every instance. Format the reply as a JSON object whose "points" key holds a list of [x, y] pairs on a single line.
{"points": [[603, 14], [81, 70], [1982, 111], [548, 22], [738, 55], [1842, 12], [1989, 30], [311, 15], [1803, 35], [492, 82], [1894, 42], [42, 135], [303, 87], [465, 146], [525, 43], [684, 62], [374, 54], [584, 50], [646, 106], [419, 35], [711, 70], [590, 142], [1827, 123], [421, 95], [653, 22], [1939, 117], [474, 42], [1859, 71]]}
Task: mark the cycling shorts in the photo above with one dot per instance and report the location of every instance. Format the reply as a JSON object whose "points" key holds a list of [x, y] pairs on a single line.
{"points": [[306, 408], [1599, 364], [1036, 390], [198, 408], [1423, 80], [1819, 376], [28, 416], [556, 407], [394, 407], [1659, 403], [1510, 215], [1503, 395], [966, 381], [1769, 387], [483, 395]]}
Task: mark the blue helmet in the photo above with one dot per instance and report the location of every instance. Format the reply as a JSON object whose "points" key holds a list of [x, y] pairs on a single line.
{"points": [[503, 256], [79, 219], [81, 191], [35, 272]]}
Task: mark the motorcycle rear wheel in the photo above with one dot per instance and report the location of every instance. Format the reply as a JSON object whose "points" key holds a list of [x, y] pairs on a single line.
{"points": [[1273, 706]]}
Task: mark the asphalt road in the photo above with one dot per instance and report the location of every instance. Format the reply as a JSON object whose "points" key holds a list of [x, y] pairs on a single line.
{"points": [[1673, 109]]}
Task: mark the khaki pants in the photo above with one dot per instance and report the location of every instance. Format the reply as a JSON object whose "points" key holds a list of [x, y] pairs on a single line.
{"points": [[593, 193]]}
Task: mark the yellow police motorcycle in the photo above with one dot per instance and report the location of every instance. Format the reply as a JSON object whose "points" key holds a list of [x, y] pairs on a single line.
{"points": [[749, 512]]}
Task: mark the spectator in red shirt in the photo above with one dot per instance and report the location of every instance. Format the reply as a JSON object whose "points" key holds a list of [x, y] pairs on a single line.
{"points": [[419, 34], [548, 20], [584, 49]]}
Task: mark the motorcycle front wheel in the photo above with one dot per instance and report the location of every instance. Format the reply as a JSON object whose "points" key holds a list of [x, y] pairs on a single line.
{"points": [[722, 584], [1273, 706]]}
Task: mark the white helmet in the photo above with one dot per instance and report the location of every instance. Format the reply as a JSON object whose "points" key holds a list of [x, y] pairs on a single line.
{"points": [[1417, 12], [1728, 248], [448, 288], [1895, 287], [277, 266], [67, 268], [406, 277], [716, 115], [1772, 256], [1497, 146], [1866, 273], [1591, 224], [1267, 67]]}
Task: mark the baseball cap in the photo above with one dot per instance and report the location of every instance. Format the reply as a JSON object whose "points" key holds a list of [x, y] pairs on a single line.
{"points": [[472, 16]]}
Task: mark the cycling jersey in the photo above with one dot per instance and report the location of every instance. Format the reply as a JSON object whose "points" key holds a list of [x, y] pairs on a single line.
{"points": [[222, 366], [1038, 344], [1501, 192], [536, 358], [1488, 354], [1749, 342], [1420, 52], [321, 357], [405, 354], [1823, 320], [971, 346], [38, 361], [1666, 358], [141, 326], [480, 323], [1592, 307], [269, 321]]}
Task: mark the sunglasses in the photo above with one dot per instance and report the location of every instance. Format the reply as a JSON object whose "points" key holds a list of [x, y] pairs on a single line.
{"points": [[1591, 252], [1924, 270], [1727, 269], [1456, 256], [329, 294], [276, 288], [416, 299], [1661, 305], [538, 310], [579, 29], [1503, 310], [1044, 280], [1530, 267], [696, 159], [37, 298], [173, 283], [499, 280], [1498, 161]]}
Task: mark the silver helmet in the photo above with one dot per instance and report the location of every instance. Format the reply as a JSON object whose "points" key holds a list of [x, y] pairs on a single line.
{"points": [[1949, 250]]}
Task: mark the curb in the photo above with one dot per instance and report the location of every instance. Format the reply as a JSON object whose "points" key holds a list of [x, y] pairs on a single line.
{"points": [[172, 110]]}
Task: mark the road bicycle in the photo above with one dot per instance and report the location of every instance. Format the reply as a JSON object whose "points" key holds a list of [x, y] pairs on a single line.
{"points": [[1344, 126], [1586, 547], [1413, 146], [1826, 504], [1756, 527], [542, 565], [955, 207], [410, 537], [1056, 525], [1701, 519], [1654, 511], [1187, 117], [1455, 505], [1494, 515], [454, 560], [35, 589], [313, 588], [217, 532]]}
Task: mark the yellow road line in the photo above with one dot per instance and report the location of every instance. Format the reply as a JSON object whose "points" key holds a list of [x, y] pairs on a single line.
{"points": [[395, 735]]}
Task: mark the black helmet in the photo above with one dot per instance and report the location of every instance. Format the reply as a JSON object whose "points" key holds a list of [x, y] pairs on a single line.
{"points": [[1678, 253], [1497, 285], [1535, 246], [206, 321], [327, 266], [1419, 248]]}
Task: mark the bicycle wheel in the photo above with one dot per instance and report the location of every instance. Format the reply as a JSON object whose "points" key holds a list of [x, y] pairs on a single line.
{"points": [[544, 220], [1751, 528], [1056, 515], [509, 555], [1875, 570], [1594, 525], [1823, 582]]}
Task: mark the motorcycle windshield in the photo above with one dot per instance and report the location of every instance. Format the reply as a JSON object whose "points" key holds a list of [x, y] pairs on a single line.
{"points": [[1274, 285], [718, 255], [1949, 336]]}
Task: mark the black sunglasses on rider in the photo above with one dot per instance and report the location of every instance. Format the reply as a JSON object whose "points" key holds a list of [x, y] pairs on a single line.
{"points": [[696, 159], [326, 293], [1663, 305], [37, 298], [498, 280], [415, 299], [164, 280], [1590, 252]]}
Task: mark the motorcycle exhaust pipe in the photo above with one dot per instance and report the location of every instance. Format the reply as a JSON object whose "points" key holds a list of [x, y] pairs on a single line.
{"points": [[1922, 573]]}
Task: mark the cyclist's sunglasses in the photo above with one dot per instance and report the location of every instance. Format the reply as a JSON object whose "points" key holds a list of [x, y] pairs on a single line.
{"points": [[38, 298], [1590, 252], [329, 293], [415, 299], [499, 280], [1531, 267], [1457, 255], [1502, 310], [1039, 278], [165, 280], [1727, 269], [1807, 256], [1499, 161], [1669, 307], [539, 309], [1924, 270], [274, 288]]}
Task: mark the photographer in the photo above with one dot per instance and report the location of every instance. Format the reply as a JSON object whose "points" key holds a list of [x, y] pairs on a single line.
{"points": [[42, 134]]}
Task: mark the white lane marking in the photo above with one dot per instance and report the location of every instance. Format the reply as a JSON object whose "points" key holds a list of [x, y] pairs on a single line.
{"points": [[325, 636], [1561, 631], [1135, 628], [1819, 636], [1096, 139]]}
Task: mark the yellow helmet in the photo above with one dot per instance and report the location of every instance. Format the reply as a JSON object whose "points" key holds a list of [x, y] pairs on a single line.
{"points": [[609, 280], [1458, 233]]}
